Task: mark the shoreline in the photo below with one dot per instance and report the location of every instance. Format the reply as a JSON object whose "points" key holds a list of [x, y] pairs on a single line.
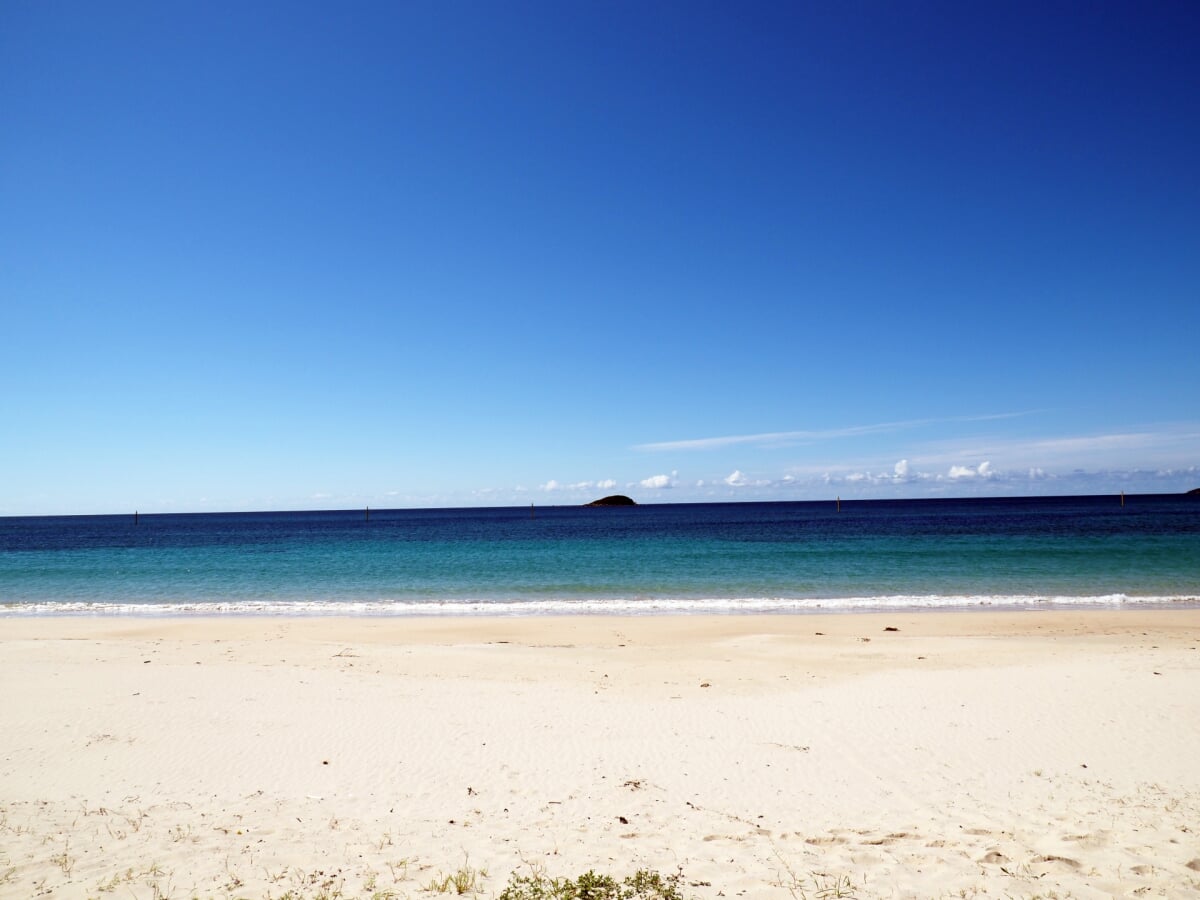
{"points": [[599, 607], [1080, 618], [998, 753]]}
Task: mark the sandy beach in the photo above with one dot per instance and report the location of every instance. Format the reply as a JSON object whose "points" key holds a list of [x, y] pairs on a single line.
{"points": [[1046, 754]]}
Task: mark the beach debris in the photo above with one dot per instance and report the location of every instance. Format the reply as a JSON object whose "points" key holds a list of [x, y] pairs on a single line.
{"points": [[471, 792], [891, 628], [705, 684], [798, 747], [324, 762], [622, 820], [865, 640]]}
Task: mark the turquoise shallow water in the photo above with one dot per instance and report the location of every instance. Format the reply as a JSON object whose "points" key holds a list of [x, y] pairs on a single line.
{"points": [[688, 557]]}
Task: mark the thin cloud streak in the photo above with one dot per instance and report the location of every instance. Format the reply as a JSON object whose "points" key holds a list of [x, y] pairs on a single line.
{"points": [[776, 437]]}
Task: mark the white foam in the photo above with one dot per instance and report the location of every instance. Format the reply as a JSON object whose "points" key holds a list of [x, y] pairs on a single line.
{"points": [[592, 606]]}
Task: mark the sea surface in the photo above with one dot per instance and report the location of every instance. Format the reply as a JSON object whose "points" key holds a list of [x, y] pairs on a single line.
{"points": [[703, 558]]}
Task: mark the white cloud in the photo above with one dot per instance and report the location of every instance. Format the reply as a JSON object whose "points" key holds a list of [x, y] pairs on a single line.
{"points": [[606, 484], [739, 479], [550, 485], [658, 482], [901, 469], [1168, 447], [983, 470]]}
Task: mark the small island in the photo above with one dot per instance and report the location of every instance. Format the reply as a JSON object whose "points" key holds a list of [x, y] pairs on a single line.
{"points": [[1194, 492], [614, 500]]}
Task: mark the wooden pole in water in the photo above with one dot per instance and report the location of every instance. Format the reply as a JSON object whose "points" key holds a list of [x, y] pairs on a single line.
{"points": [[368, 514], [839, 503], [1122, 499], [531, 510], [135, 517]]}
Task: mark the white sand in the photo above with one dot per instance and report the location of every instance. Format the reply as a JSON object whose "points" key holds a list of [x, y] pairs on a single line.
{"points": [[996, 755]]}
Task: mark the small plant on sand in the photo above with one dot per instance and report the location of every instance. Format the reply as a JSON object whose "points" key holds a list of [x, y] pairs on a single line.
{"points": [[399, 869], [642, 885], [64, 860], [115, 881], [826, 887], [464, 881], [818, 886]]}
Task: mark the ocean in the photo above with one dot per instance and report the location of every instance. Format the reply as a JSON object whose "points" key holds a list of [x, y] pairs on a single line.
{"points": [[1043, 552]]}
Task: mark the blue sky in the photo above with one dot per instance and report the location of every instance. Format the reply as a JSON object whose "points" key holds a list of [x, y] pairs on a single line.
{"points": [[326, 255]]}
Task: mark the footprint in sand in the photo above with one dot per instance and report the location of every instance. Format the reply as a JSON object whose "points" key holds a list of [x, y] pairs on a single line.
{"points": [[1098, 839], [1059, 861]]}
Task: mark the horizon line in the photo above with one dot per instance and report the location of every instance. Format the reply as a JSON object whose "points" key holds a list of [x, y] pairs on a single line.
{"points": [[728, 502]]}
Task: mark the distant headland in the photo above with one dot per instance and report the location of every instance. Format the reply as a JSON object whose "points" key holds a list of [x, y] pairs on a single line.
{"points": [[614, 500], [1195, 492]]}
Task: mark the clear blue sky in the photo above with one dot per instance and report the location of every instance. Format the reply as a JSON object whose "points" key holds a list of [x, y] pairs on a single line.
{"points": [[331, 255]]}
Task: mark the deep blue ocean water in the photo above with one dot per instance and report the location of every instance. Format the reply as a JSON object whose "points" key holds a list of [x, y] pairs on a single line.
{"points": [[729, 557]]}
